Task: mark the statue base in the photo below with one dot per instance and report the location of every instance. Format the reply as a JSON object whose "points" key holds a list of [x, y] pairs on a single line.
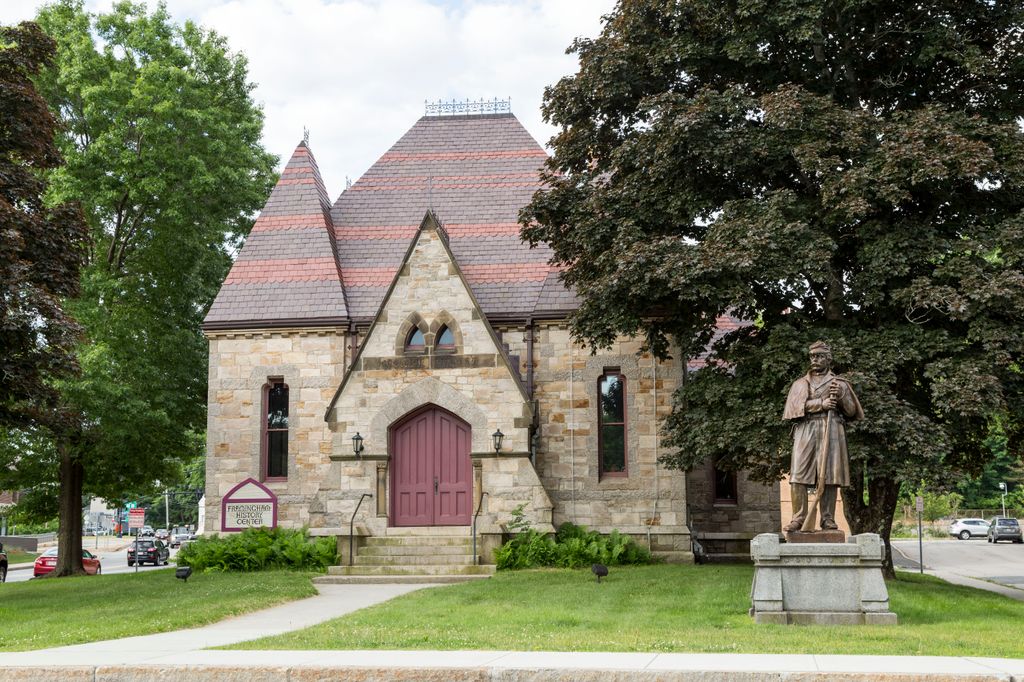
{"points": [[819, 583], [804, 537]]}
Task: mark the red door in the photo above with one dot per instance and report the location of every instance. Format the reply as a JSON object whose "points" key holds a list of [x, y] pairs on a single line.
{"points": [[431, 482]]}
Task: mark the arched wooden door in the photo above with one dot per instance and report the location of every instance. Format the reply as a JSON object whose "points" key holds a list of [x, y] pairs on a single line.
{"points": [[431, 471]]}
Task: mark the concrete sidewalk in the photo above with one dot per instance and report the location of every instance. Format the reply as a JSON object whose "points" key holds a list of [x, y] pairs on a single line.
{"points": [[182, 655], [332, 602]]}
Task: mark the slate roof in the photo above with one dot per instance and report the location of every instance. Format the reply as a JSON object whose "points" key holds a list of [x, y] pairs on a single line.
{"points": [[306, 262], [475, 172], [287, 271]]}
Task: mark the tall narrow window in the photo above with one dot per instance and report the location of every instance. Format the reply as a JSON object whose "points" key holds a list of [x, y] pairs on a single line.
{"points": [[725, 486], [445, 340], [275, 431], [415, 343], [611, 416]]}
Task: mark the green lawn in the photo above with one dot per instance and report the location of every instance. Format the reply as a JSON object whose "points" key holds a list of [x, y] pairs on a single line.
{"points": [[16, 556], [57, 611], [659, 608]]}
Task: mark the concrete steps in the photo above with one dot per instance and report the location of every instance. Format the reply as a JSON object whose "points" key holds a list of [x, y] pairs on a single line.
{"points": [[406, 550], [407, 569], [412, 555], [415, 560], [419, 541]]}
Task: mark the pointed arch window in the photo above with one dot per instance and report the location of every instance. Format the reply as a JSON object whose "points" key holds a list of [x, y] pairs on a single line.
{"points": [[611, 418], [275, 431], [445, 340], [415, 343]]}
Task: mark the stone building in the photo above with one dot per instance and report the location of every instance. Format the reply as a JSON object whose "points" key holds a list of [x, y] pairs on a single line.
{"points": [[410, 313]]}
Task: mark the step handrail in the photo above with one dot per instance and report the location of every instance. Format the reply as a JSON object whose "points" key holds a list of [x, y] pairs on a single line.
{"points": [[476, 557], [352, 521]]}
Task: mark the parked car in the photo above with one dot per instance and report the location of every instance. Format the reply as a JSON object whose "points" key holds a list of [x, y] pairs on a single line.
{"points": [[47, 561], [150, 551], [965, 529], [1003, 528], [179, 535], [3, 564], [162, 534]]}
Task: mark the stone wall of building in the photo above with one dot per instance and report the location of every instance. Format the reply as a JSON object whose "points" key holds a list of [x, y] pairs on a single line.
{"points": [[311, 363], [555, 477], [474, 382], [649, 502], [726, 528]]}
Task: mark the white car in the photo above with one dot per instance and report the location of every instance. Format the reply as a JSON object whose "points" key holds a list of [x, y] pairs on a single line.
{"points": [[180, 535], [965, 529]]}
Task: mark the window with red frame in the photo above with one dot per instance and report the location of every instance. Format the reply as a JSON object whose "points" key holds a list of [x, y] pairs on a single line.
{"points": [[275, 431], [611, 417], [725, 486]]}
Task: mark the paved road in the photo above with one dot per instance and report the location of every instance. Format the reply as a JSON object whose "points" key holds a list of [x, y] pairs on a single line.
{"points": [[111, 561], [1001, 563]]}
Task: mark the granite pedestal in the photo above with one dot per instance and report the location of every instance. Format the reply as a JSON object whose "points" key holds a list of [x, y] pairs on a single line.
{"points": [[820, 583]]}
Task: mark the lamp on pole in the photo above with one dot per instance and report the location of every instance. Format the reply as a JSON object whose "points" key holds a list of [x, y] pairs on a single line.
{"points": [[1002, 487]]}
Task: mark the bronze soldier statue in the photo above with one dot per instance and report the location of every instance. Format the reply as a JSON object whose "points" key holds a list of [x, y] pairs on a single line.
{"points": [[819, 405]]}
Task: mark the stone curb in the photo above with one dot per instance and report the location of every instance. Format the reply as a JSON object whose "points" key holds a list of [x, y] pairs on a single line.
{"points": [[314, 673]]}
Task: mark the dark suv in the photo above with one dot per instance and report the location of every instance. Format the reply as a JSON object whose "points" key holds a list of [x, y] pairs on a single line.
{"points": [[152, 551], [3, 564], [1002, 528]]}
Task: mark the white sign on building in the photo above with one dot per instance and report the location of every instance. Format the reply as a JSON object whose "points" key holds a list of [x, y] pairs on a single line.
{"points": [[248, 505]]}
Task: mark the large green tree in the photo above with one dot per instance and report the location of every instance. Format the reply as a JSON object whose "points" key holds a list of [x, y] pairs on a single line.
{"points": [[162, 141], [40, 245], [850, 171]]}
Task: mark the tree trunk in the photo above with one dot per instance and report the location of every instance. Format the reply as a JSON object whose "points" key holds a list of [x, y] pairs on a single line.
{"points": [[69, 531], [874, 515]]}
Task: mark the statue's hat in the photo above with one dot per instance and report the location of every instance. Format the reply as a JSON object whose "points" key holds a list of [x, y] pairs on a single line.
{"points": [[819, 347]]}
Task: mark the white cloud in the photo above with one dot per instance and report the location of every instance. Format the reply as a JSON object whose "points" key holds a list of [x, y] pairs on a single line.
{"points": [[357, 72]]}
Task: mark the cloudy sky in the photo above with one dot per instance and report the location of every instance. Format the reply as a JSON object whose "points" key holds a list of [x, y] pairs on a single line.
{"points": [[357, 72]]}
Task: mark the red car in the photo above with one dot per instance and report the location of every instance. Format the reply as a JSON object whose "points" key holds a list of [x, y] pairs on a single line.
{"points": [[47, 561]]}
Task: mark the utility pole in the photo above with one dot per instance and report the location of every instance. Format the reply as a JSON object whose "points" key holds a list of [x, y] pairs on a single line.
{"points": [[167, 511], [1002, 488]]}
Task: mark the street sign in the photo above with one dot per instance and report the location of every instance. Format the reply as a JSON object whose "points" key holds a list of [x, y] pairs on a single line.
{"points": [[130, 505], [919, 503], [136, 518]]}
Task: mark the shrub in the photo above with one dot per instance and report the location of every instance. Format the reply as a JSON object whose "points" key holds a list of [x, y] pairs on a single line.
{"points": [[257, 549], [902, 530], [572, 547]]}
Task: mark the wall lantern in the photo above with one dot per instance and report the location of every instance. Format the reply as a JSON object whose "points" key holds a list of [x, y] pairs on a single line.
{"points": [[357, 444], [497, 437]]}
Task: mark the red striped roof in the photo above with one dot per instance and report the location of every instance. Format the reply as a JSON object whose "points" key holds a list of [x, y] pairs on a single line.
{"points": [[287, 271], [475, 173], [306, 261]]}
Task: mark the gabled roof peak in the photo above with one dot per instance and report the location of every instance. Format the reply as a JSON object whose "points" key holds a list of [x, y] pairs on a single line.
{"points": [[287, 271]]}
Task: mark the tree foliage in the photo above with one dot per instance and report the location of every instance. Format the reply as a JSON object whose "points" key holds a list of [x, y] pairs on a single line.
{"points": [[845, 171], [40, 244], [982, 491], [162, 141]]}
